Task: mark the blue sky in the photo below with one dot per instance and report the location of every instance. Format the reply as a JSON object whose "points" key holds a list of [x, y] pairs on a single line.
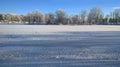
{"points": [[70, 6]]}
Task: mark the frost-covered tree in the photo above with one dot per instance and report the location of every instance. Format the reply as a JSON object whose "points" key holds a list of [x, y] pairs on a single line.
{"points": [[34, 17], [11, 18]]}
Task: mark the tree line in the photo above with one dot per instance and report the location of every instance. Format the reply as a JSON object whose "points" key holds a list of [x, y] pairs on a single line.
{"points": [[94, 16]]}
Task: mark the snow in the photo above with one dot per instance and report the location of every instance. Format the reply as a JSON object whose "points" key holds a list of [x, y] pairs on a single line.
{"points": [[59, 46], [43, 29]]}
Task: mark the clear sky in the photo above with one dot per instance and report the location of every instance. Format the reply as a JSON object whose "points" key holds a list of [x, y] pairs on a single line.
{"points": [[70, 6]]}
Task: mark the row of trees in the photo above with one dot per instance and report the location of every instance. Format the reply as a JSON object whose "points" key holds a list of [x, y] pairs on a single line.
{"points": [[94, 16], [10, 18]]}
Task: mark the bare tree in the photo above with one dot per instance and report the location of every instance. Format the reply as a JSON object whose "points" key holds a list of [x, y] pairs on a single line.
{"points": [[116, 15], [76, 19], [1, 17], [95, 16], [107, 19], [49, 18], [61, 17], [83, 16]]}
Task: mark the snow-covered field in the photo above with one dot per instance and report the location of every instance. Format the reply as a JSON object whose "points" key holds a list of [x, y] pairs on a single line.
{"points": [[59, 46], [37, 29]]}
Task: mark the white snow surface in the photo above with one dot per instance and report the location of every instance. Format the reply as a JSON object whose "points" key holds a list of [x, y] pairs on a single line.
{"points": [[59, 46], [50, 29]]}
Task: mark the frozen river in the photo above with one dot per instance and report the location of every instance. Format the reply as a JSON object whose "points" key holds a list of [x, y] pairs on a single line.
{"points": [[59, 49]]}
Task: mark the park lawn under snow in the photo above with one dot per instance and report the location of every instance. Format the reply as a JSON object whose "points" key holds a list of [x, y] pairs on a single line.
{"points": [[59, 46], [39, 29]]}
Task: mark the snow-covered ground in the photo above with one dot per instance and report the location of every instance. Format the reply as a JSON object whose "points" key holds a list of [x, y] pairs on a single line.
{"points": [[59, 46], [39, 29]]}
